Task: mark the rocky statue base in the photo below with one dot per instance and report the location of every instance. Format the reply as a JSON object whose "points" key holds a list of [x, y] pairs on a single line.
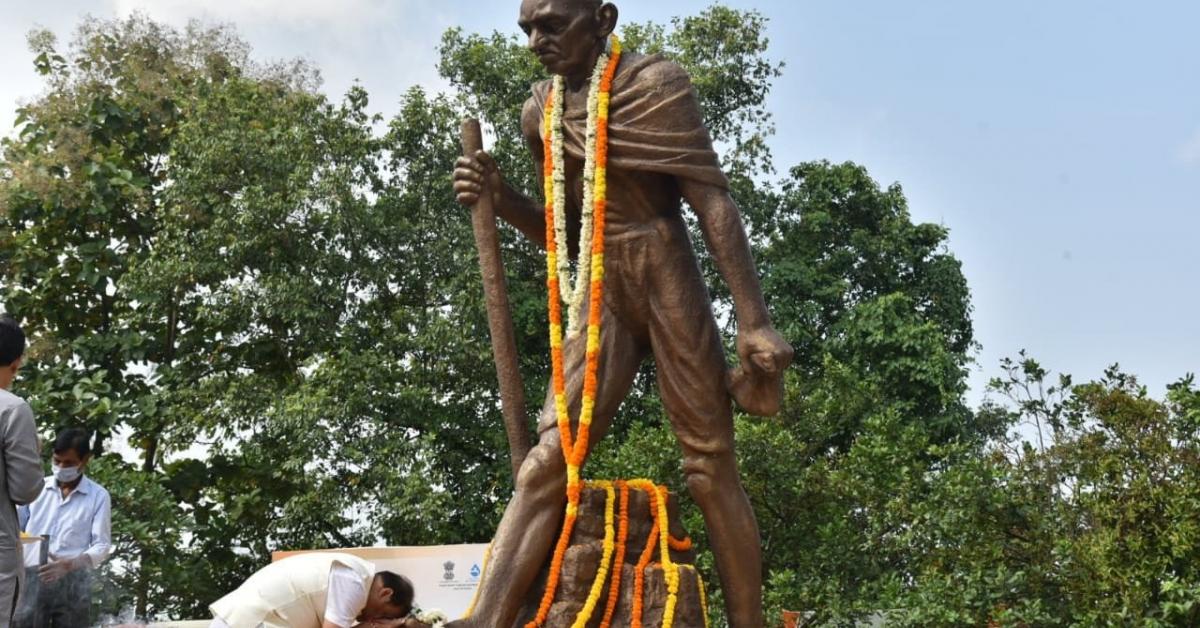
{"points": [[583, 559]]}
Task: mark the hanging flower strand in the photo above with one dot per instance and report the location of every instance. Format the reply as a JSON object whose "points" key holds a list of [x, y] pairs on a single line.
{"points": [[558, 278], [596, 298], [597, 590], [559, 178], [574, 300], [614, 590], [563, 288]]}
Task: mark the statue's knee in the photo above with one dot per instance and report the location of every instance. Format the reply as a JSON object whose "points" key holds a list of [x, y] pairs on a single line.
{"points": [[709, 468], [543, 468], [700, 484], [701, 475]]}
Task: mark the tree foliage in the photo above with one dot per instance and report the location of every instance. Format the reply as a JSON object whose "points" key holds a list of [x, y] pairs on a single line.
{"points": [[265, 303], [1083, 515]]}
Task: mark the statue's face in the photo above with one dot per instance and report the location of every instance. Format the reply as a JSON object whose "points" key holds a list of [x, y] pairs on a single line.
{"points": [[564, 34]]}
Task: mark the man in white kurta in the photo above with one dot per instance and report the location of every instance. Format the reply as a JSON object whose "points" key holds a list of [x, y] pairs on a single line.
{"points": [[319, 590]]}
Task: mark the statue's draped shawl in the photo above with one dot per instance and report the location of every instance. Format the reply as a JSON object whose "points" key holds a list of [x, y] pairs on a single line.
{"points": [[655, 123]]}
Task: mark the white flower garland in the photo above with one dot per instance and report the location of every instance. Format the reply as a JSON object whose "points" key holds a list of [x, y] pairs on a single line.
{"points": [[559, 183], [573, 289]]}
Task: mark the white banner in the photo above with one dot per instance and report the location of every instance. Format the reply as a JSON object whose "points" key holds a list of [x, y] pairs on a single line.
{"points": [[444, 576]]}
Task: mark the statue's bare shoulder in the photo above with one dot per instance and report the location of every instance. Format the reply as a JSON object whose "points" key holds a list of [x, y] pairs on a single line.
{"points": [[657, 69], [640, 75], [531, 118]]}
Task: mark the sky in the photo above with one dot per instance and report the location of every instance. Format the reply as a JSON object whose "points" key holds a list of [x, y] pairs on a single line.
{"points": [[1058, 141]]}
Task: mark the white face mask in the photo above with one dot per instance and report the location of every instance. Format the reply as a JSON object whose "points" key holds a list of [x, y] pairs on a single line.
{"points": [[66, 475]]}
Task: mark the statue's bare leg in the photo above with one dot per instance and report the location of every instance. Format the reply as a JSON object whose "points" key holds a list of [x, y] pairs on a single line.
{"points": [[712, 480], [691, 377], [531, 522]]}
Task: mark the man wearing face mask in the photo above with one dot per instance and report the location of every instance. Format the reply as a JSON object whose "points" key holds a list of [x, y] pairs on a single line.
{"points": [[20, 467], [76, 513]]}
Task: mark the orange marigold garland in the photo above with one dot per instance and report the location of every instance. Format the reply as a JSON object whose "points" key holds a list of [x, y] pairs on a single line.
{"points": [[658, 508], [616, 538], [639, 577], [553, 104], [680, 545], [574, 448]]}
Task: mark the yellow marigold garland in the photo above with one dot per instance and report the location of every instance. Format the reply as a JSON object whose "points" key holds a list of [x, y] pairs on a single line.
{"points": [[589, 607], [613, 557], [558, 283], [574, 449], [556, 355], [614, 591]]}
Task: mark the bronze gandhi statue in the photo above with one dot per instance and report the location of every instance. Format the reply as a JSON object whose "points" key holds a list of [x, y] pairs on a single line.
{"points": [[655, 303]]}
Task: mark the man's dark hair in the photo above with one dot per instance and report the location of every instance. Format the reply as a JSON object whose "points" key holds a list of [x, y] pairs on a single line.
{"points": [[73, 439], [12, 341], [402, 590]]}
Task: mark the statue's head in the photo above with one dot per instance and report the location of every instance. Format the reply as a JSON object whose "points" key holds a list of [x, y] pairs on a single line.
{"points": [[568, 35]]}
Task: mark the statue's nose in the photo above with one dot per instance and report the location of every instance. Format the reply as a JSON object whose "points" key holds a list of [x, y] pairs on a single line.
{"points": [[536, 40]]}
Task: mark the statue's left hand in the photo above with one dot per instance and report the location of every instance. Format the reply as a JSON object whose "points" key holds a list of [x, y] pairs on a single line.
{"points": [[757, 383]]}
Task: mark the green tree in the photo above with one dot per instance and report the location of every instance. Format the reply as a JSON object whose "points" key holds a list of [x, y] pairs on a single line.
{"points": [[81, 205], [180, 235], [278, 309], [1084, 514]]}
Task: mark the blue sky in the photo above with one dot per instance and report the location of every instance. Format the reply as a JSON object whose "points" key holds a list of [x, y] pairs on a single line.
{"points": [[1059, 141]]}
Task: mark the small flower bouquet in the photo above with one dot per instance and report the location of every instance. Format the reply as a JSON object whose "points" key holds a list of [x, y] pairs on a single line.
{"points": [[432, 617]]}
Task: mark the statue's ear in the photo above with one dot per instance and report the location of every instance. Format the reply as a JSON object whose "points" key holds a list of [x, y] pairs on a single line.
{"points": [[606, 18]]}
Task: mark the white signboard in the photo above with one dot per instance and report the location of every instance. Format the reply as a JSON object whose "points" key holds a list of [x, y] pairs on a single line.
{"points": [[444, 576]]}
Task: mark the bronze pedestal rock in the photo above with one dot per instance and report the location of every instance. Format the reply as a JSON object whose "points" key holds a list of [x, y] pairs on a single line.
{"points": [[583, 559]]}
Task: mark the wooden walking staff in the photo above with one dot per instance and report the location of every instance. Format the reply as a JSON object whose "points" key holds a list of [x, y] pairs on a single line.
{"points": [[495, 289]]}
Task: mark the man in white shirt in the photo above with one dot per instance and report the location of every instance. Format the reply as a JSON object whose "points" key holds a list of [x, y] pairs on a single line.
{"points": [[20, 467], [76, 513], [318, 590]]}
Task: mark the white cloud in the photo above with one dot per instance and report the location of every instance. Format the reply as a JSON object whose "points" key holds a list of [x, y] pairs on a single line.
{"points": [[1189, 153]]}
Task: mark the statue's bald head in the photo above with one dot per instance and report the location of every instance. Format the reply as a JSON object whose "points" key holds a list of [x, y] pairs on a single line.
{"points": [[571, 5], [568, 35], [589, 5]]}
